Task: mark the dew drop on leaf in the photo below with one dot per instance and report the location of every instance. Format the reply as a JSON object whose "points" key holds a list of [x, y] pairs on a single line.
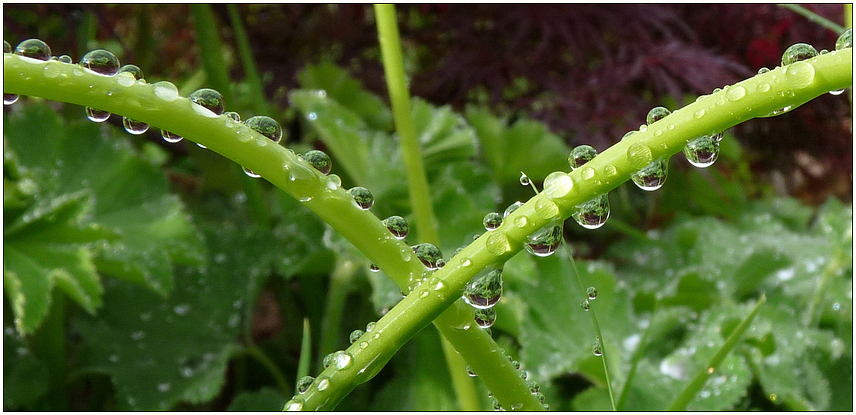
{"points": [[798, 52], [251, 173], [497, 244], [581, 155], [558, 184], [484, 290], [596, 348], [342, 360], [594, 213], [585, 305], [639, 155]]}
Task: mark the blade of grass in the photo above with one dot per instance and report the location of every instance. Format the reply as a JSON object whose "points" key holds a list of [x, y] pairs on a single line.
{"points": [[305, 351], [210, 49], [814, 17], [680, 403], [260, 104]]}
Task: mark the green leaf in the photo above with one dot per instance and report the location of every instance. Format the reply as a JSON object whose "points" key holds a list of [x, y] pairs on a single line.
{"points": [[523, 146], [127, 198], [265, 399], [25, 378], [443, 135], [161, 351], [347, 91]]}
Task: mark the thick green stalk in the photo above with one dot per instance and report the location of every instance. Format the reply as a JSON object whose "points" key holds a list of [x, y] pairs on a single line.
{"points": [[399, 97], [757, 96], [420, 198]]}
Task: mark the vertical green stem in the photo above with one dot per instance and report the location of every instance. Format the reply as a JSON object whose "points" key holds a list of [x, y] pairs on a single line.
{"points": [[210, 49], [399, 97], [420, 201], [49, 346], [260, 104], [814, 17]]}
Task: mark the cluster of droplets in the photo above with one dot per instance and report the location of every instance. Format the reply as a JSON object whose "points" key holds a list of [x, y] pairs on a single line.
{"points": [[482, 293], [653, 176], [534, 387], [591, 214]]}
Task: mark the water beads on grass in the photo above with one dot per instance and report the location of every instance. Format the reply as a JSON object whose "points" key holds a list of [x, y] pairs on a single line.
{"points": [[429, 254], [657, 114], [397, 226], [485, 317], [581, 155], [209, 99], [845, 40], [304, 383], [484, 290], [702, 151], [266, 126], [363, 198], [492, 221], [594, 213], [798, 52], [546, 240], [318, 159], [132, 73], [33, 49], [653, 176]]}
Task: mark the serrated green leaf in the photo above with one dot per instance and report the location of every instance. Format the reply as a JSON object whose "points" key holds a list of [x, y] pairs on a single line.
{"points": [[339, 85], [443, 135], [264, 399], [25, 377], [161, 351]]}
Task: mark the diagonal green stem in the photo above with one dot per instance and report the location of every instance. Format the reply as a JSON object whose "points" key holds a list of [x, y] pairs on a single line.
{"points": [[683, 399], [814, 17]]}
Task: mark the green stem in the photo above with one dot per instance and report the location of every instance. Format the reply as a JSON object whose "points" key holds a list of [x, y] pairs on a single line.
{"points": [[210, 49], [789, 86], [812, 314], [637, 357], [420, 199], [814, 17], [305, 351], [683, 399], [260, 104], [399, 97], [260, 356]]}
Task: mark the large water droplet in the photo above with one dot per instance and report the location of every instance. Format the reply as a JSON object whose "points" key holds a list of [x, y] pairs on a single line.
{"points": [[800, 74], [702, 151], [97, 115], [845, 40], [471, 372], [9, 99], [492, 221], [594, 213], [342, 360], [165, 90], [497, 244], [639, 155], [581, 155], [485, 317], [596, 349], [363, 198], [133, 70], [652, 176], [397, 226], [656, 114], [355, 335], [429, 254], [134, 127], [294, 404], [209, 99], [546, 208], [318, 159], [33, 49], [265, 126], [558, 184], [591, 292], [735, 93], [763, 87], [101, 62], [52, 69], [798, 52], [524, 179], [485, 290], [304, 383], [546, 240], [7, 48], [170, 137], [511, 208], [303, 181]]}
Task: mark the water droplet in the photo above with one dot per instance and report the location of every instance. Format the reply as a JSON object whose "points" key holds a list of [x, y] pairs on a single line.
{"points": [[485, 290], [763, 87], [657, 114], [134, 127], [327, 361], [342, 360], [800, 74], [594, 213], [363, 198], [164, 387], [596, 348], [652, 176], [546, 208], [524, 179], [497, 244], [181, 309], [836, 92], [373, 267], [7, 48], [397, 226], [511, 208], [798, 52], [485, 317], [698, 114], [303, 181], [585, 305], [591, 292], [639, 155], [208, 99], [763, 70], [370, 326], [492, 221], [521, 221], [165, 90], [318, 159], [170, 137], [101, 62], [33, 49], [9, 99], [517, 406], [52, 69], [266, 126], [546, 240], [587, 173], [429, 254], [702, 151], [845, 40], [581, 155], [534, 387], [355, 335], [471, 372], [334, 181], [304, 383], [97, 115], [736, 93], [133, 71], [496, 405], [294, 404]]}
